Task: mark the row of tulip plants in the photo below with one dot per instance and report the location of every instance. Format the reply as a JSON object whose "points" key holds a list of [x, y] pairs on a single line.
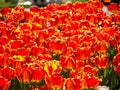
{"points": [[73, 46]]}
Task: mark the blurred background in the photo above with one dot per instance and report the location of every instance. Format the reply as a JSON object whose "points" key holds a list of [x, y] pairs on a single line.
{"points": [[28, 3]]}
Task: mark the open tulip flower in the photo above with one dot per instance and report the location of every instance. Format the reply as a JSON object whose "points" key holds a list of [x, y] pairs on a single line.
{"points": [[72, 46]]}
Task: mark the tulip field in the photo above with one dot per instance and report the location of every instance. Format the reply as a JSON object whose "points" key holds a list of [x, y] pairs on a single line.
{"points": [[72, 46]]}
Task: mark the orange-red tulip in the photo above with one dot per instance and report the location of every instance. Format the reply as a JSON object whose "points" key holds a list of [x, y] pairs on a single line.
{"points": [[38, 74], [102, 61], [24, 74], [90, 81], [8, 73], [116, 63], [55, 81], [4, 84]]}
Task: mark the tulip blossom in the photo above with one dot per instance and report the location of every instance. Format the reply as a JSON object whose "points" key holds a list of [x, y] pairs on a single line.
{"points": [[37, 74], [72, 46], [4, 84], [24, 74], [73, 84], [52, 67], [8, 73], [116, 63], [90, 81], [55, 81]]}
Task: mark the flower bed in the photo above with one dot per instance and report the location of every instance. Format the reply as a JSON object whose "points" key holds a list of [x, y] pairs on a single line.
{"points": [[69, 46]]}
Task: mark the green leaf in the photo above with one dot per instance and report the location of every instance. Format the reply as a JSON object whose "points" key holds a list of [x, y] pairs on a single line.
{"points": [[15, 84], [56, 57], [111, 52], [65, 73]]}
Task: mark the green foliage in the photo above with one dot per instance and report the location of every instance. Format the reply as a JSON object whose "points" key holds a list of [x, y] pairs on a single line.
{"points": [[65, 73], [7, 4], [110, 77]]}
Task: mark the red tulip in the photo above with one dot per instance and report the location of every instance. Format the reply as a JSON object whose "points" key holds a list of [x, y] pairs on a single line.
{"points": [[116, 63], [3, 31], [18, 16], [67, 62], [34, 9], [118, 69], [24, 74], [101, 46], [26, 38], [73, 84], [1, 59], [2, 49], [112, 7], [38, 74], [55, 81], [36, 27], [90, 81], [4, 59], [36, 51], [8, 73], [27, 15], [91, 70], [52, 7], [102, 61], [23, 52], [17, 61], [19, 9], [25, 26], [3, 40], [15, 44], [4, 84], [79, 65], [83, 53], [6, 11], [117, 36]]}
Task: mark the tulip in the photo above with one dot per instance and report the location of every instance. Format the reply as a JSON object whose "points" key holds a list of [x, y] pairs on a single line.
{"points": [[3, 31], [117, 36], [37, 74], [36, 51], [23, 52], [101, 46], [18, 16], [8, 73], [15, 44], [116, 63], [67, 62], [3, 40], [102, 61], [55, 81], [34, 9], [73, 84], [17, 61], [91, 70], [112, 7], [4, 84], [69, 85], [24, 74], [53, 6], [1, 49], [90, 81], [4, 59], [27, 15], [79, 65], [6, 11], [19, 8], [52, 67]]}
